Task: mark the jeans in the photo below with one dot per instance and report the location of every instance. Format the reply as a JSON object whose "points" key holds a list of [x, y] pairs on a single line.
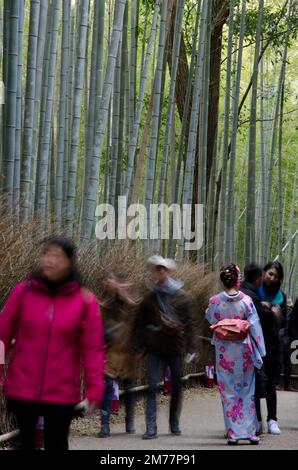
{"points": [[57, 420], [154, 365], [107, 401]]}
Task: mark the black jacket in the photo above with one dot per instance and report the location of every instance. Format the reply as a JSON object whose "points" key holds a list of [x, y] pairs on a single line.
{"points": [[151, 336], [268, 319]]}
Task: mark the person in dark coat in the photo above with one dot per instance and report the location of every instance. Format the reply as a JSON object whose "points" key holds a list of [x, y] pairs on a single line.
{"points": [[165, 332], [272, 320]]}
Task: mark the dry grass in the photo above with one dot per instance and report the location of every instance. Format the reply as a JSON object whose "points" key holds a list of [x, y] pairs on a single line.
{"points": [[20, 250]]}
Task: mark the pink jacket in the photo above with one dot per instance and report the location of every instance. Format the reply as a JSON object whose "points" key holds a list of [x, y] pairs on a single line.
{"points": [[54, 336]]}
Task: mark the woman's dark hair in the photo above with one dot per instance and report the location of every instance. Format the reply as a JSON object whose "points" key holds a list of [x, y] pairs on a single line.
{"points": [[252, 272], [274, 288], [229, 275], [66, 244], [278, 267], [69, 248]]}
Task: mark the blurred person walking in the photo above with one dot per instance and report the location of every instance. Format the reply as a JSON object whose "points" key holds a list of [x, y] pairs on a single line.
{"points": [[165, 331], [118, 307]]}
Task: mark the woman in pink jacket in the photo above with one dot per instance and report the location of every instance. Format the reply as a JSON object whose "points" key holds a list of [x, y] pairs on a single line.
{"points": [[57, 328]]}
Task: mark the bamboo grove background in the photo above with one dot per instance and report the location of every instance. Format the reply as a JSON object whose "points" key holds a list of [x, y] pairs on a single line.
{"points": [[163, 101]]}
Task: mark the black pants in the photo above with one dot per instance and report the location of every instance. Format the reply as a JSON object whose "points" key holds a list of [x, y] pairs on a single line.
{"points": [[155, 363], [272, 370], [57, 420]]}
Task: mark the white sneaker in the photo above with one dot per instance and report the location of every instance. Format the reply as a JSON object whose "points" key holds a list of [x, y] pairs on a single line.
{"points": [[273, 427]]}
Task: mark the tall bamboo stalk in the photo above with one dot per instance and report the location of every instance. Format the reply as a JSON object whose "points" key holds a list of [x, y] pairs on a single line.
{"points": [[65, 56], [28, 129], [76, 115], [10, 113], [90, 195]]}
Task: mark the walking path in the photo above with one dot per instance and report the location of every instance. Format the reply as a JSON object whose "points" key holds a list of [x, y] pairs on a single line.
{"points": [[202, 427]]}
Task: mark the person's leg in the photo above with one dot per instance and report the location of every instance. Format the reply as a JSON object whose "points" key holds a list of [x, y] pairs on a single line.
{"points": [[153, 366], [57, 421], [272, 368], [26, 415], [271, 402], [129, 403], [258, 409], [106, 408], [175, 362]]}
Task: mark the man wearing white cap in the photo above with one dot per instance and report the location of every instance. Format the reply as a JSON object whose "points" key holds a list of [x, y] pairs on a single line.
{"points": [[165, 331]]}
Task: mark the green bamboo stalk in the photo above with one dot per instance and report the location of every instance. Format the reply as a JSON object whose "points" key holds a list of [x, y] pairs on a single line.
{"points": [[44, 156], [203, 133], [116, 158], [132, 65], [41, 72], [186, 107], [156, 109], [11, 106], [90, 197], [142, 90], [19, 111], [70, 91], [122, 108], [76, 115], [171, 101], [230, 219], [194, 120], [91, 106], [250, 233], [269, 182], [28, 129], [222, 219], [263, 152], [6, 25], [65, 56]]}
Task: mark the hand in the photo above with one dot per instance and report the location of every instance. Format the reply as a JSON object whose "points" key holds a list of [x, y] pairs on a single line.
{"points": [[266, 304], [276, 309], [192, 358], [86, 407], [277, 313], [91, 407]]}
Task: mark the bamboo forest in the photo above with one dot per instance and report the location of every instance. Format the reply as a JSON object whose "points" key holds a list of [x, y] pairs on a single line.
{"points": [[167, 102]]}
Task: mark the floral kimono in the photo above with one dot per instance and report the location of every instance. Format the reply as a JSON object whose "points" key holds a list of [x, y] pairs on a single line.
{"points": [[235, 363]]}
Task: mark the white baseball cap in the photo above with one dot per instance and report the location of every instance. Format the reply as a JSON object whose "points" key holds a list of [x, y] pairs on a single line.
{"points": [[167, 263]]}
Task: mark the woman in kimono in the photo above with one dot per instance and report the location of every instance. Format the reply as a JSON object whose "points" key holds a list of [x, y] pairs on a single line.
{"points": [[236, 359]]}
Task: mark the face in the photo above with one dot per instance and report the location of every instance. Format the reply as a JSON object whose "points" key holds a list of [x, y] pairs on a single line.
{"points": [[159, 274], [54, 263], [271, 276], [111, 284]]}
